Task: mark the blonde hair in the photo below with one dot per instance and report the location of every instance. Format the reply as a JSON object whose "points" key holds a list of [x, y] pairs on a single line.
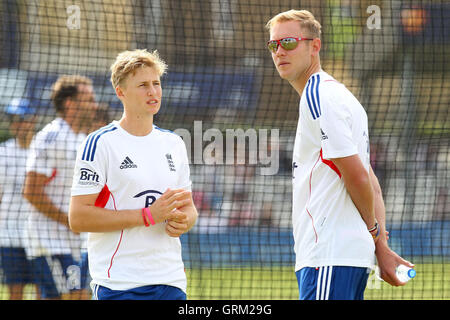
{"points": [[307, 21], [128, 61]]}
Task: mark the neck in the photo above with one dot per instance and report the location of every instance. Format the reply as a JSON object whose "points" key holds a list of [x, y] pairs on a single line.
{"points": [[300, 83], [137, 125]]}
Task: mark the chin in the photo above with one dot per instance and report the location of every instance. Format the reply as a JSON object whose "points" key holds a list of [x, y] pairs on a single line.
{"points": [[285, 75], [290, 76], [154, 110]]}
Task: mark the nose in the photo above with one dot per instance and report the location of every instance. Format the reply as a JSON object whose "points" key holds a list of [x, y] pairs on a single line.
{"points": [[280, 53], [151, 90], [280, 50]]}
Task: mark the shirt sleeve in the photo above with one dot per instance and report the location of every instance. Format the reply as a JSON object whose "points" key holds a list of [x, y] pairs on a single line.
{"points": [[336, 124], [42, 154], [89, 176]]}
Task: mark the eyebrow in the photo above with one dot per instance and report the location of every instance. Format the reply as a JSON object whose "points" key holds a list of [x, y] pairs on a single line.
{"points": [[147, 81]]}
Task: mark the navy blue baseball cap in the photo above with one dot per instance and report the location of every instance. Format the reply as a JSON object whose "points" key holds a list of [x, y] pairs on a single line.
{"points": [[20, 107]]}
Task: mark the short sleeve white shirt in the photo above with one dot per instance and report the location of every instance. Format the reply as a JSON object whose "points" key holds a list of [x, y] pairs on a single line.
{"points": [[53, 153], [131, 172], [328, 229]]}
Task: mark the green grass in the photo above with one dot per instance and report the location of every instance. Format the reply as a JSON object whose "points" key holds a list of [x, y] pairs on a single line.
{"points": [[432, 282], [242, 283], [279, 283]]}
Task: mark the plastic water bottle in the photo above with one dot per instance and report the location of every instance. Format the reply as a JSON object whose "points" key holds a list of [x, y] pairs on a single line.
{"points": [[404, 273]]}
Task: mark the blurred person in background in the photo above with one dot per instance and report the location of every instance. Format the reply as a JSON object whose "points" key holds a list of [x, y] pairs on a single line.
{"points": [[14, 209], [338, 210], [55, 250]]}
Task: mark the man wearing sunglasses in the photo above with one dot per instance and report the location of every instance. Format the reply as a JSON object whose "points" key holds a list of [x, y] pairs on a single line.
{"points": [[338, 210]]}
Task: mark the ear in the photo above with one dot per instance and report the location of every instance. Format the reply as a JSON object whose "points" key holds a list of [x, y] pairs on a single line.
{"points": [[119, 92], [316, 45]]}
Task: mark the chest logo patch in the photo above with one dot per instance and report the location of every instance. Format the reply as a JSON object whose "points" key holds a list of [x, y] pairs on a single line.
{"points": [[127, 163]]}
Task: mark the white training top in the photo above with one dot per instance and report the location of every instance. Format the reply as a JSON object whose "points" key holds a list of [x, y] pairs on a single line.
{"points": [[328, 229], [131, 172], [14, 209], [53, 153]]}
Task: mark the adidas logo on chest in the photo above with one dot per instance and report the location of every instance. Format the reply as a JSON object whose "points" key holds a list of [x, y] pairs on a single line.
{"points": [[127, 163]]}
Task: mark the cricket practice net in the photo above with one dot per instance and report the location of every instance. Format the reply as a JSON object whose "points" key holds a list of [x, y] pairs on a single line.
{"points": [[238, 118]]}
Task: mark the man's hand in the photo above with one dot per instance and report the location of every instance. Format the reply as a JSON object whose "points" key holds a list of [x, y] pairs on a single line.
{"points": [[176, 228], [183, 218], [388, 261], [164, 208]]}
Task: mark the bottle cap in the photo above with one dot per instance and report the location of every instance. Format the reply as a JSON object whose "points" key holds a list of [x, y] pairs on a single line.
{"points": [[411, 273]]}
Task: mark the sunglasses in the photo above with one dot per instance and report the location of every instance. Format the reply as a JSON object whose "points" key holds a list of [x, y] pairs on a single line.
{"points": [[289, 43]]}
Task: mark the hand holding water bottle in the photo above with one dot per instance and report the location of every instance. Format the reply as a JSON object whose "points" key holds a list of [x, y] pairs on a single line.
{"points": [[388, 262], [404, 273]]}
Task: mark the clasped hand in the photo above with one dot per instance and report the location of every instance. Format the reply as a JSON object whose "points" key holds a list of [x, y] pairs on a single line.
{"points": [[172, 207]]}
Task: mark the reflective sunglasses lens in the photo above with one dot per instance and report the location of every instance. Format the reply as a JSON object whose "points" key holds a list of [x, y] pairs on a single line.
{"points": [[289, 43], [272, 46]]}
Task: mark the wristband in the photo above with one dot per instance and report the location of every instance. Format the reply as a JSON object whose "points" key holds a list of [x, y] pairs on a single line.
{"points": [[377, 234], [375, 228], [144, 218], [148, 214]]}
